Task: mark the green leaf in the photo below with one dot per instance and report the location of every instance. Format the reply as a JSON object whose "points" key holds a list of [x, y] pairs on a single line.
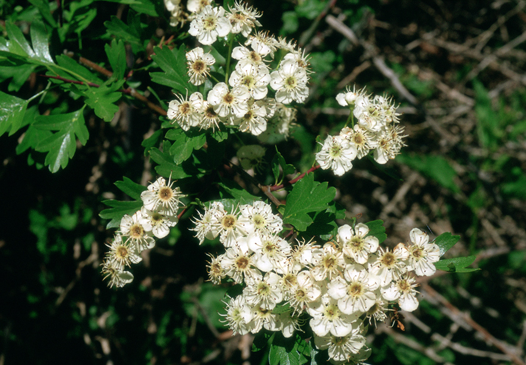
{"points": [[118, 210], [33, 136], [173, 63], [45, 11], [445, 241], [229, 188], [277, 162], [307, 196], [377, 229], [40, 40], [117, 56], [121, 30], [185, 143], [435, 167], [19, 73], [76, 71], [152, 141], [61, 146], [166, 165], [457, 264], [102, 100], [12, 111], [131, 188], [262, 339], [145, 7], [17, 42], [289, 351]]}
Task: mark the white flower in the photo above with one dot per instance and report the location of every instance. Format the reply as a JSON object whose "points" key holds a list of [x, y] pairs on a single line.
{"points": [[349, 96], [356, 244], [404, 291], [264, 292], [306, 253], [327, 318], [258, 217], [356, 292], [228, 227], [161, 198], [300, 58], [136, 229], [390, 266], [204, 225], [422, 254], [253, 120], [117, 277], [227, 101], [243, 18], [199, 65], [341, 348], [270, 251], [209, 118], [238, 315], [209, 24], [160, 223], [121, 254], [195, 6], [305, 292], [377, 312], [237, 264], [359, 138], [329, 265], [186, 112], [245, 56], [264, 318], [287, 323], [262, 43], [215, 269], [337, 154], [290, 82], [255, 78]]}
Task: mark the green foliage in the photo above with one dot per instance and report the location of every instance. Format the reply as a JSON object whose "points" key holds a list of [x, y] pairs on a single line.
{"points": [[61, 146], [377, 229], [173, 63], [116, 53], [279, 162], [120, 208], [184, 143], [457, 264], [12, 112], [289, 351], [307, 197], [445, 241]]}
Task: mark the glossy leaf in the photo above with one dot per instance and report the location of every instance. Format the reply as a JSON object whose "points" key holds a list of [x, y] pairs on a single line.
{"points": [[445, 241], [12, 110], [130, 187], [307, 196], [457, 264]]}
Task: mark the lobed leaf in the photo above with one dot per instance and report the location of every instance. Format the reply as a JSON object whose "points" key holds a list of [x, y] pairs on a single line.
{"points": [[377, 229], [102, 100], [61, 146], [12, 111], [307, 196], [173, 63], [457, 264], [131, 188], [445, 241], [116, 53]]}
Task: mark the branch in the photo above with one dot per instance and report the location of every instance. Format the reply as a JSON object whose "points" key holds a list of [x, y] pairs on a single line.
{"points": [[277, 187]]}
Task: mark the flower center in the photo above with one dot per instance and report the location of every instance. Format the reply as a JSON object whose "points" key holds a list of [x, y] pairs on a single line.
{"points": [[290, 280], [329, 262], [185, 108], [228, 98], [417, 252], [300, 294], [263, 289], [248, 116], [216, 269], [335, 151], [254, 56], [332, 312], [198, 66], [355, 289], [236, 315], [404, 286], [136, 231], [165, 194], [259, 221], [356, 242], [210, 112], [210, 23], [242, 263], [121, 252], [229, 221], [388, 259], [270, 248], [248, 81], [157, 219], [358, 139], [291, 82]]}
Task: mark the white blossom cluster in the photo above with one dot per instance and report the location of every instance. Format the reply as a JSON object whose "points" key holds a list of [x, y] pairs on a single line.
{"points": [[137, 233], [376, 129], [335, 287], [244, 99]]}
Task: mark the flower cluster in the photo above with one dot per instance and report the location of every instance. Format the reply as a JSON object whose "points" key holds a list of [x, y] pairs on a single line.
{"points": [[243, 100], [336, 287], [376, 129], [137, 233]]}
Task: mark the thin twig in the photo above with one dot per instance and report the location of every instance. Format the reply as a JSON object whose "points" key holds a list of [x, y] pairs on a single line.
{"points": [[278, 187]]}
